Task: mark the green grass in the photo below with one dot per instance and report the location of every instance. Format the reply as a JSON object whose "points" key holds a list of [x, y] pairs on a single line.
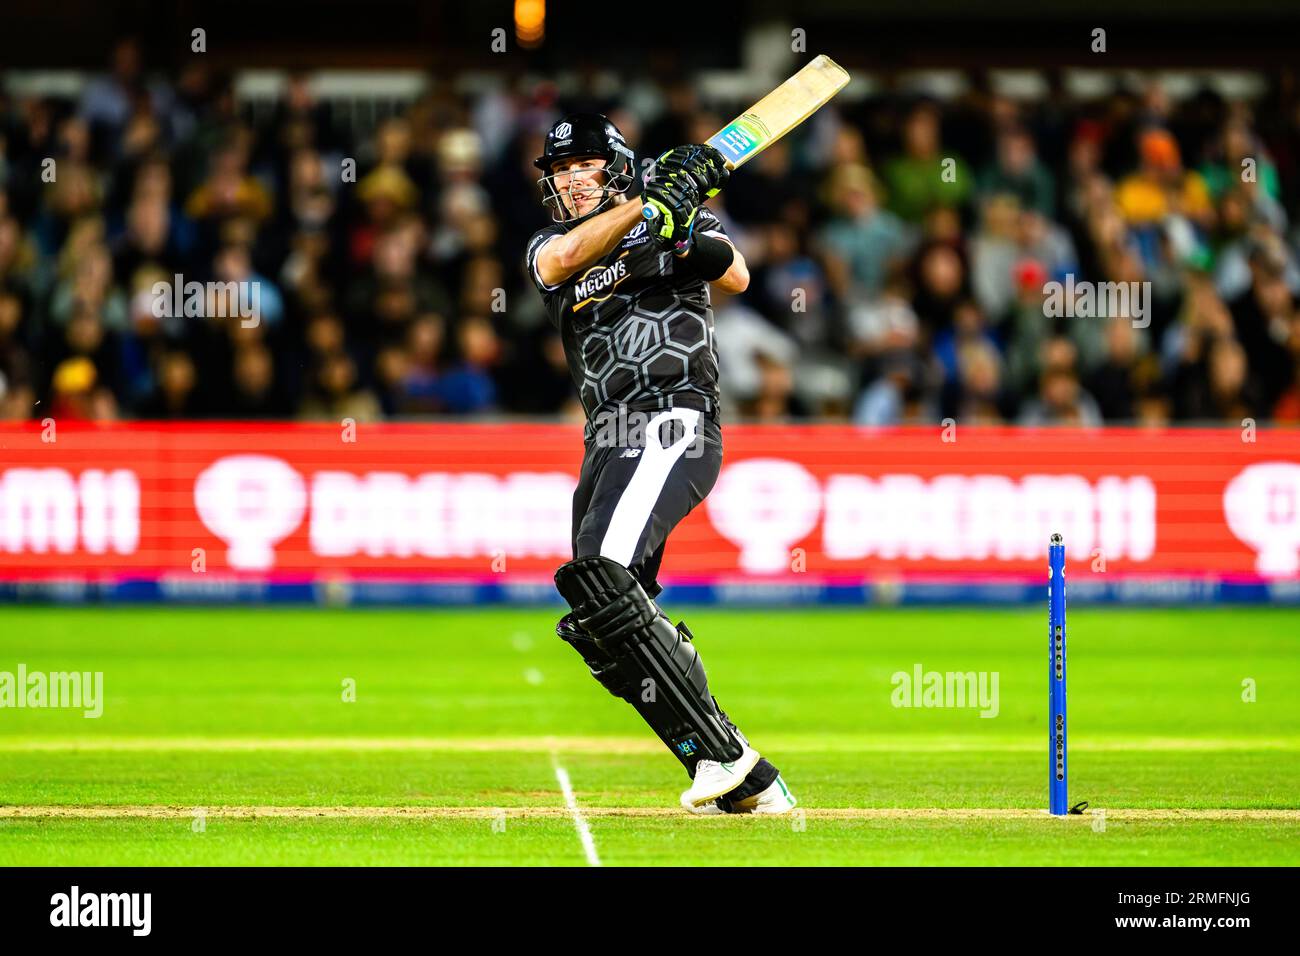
{"points": [[643, 842], [211, 708]]}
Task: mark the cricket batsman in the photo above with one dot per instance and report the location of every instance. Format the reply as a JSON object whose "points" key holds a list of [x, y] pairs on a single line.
{"points": [[630, 298]]}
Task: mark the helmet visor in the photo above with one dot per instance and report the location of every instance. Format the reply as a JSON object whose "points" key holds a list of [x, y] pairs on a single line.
{"points": [[578, 192]]}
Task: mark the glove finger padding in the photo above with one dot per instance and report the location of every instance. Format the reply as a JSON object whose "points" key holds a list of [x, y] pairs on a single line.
{"points": [[674, 197], [703, 163]]}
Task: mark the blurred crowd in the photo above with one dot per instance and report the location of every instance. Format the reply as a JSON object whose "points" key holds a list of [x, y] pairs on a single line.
{"points": [[900, 248]]}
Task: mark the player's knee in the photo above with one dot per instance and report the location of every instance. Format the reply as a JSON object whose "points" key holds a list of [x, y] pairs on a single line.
{"points": [[606, 599], [592, 578]]}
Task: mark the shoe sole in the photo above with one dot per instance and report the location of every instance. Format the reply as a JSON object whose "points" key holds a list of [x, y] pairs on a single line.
{"points": [[741, 775], [741, 813], [785, 809]]}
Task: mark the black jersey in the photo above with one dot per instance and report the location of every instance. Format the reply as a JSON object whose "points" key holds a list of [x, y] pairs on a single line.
{"points": [[637, 332]]}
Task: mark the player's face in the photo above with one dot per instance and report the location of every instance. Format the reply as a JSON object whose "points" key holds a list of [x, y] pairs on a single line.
{"points": [[580, 183]]}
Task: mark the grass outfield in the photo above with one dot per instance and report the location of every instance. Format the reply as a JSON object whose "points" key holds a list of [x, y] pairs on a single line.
{"points": [[225, 739]]}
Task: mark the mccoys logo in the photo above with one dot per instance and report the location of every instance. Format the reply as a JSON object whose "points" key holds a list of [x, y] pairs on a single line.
{"points": [[599, 279]]}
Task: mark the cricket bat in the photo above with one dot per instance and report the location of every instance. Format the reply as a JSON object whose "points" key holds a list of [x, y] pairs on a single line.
{"points": [[776, 114]]}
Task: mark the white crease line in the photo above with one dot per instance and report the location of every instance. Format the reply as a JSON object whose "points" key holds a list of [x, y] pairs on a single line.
{"points": [[579, 822]]}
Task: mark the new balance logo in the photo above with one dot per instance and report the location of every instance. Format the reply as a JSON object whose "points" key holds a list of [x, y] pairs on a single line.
{"points": [[631, 453]]}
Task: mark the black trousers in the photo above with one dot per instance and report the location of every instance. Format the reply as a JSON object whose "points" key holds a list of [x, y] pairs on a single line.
{"points": [[642, 473]]}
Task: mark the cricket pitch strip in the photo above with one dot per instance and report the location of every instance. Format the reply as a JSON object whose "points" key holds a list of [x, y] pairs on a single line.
{"points": [[488, 813]]}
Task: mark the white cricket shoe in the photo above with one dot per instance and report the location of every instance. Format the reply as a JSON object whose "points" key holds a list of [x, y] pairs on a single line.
{"points": [[713, 779], [777, 798]]}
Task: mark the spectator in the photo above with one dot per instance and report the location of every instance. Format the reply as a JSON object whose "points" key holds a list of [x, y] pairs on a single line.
{"points": [[1287, 410], [229, 191], [748, 346], [15, 362], [1160, 194], [994, 254], [1242, 161], [109, 102], [1261, 319], [1115, 382], [791, 288], [968, 328], [940, 283], [176, 395], [923, 177], [334, 394], [254, 389], [883, 326], [774, 400], [77, 394], [862, 242], [898, 396], [1217, 388], [1017, 172], [1061, 401], [466, 387], [979, 398]]}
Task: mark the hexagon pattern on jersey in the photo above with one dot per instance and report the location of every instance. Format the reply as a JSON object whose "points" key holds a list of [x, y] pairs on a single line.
{"points": [[647, 351]]}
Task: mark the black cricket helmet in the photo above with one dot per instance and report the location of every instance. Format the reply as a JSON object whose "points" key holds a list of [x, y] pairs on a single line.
{"points": [[585, 134]]}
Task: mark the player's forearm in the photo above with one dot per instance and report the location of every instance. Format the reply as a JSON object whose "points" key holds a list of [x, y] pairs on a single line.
{"points": [[593, 240], [736, 279]]}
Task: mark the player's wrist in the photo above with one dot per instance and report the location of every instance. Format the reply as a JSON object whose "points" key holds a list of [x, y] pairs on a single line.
{"points": [[709, 258]]}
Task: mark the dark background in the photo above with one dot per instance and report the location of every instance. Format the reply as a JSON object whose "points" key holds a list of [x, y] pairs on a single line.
{"points": [[454, 36]]}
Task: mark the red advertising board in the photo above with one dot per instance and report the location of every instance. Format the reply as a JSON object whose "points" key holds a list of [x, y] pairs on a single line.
{"points": [[464, 501]]}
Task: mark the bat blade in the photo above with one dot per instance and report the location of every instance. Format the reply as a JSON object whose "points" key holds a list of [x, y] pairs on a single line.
{"points": [[780, 111], [776, 114]]}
